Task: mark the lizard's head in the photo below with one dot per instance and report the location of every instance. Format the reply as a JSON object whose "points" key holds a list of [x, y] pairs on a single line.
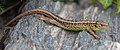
{"points": [[100, 25]]}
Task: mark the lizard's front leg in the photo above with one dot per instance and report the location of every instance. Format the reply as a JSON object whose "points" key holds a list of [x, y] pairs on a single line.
{"points": [[92, 33]]}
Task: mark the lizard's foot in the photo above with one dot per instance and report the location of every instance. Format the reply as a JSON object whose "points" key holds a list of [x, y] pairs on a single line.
{"points": [[93, 33]]}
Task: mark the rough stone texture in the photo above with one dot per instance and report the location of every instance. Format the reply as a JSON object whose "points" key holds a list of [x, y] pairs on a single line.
{"points": [[33, 34]]}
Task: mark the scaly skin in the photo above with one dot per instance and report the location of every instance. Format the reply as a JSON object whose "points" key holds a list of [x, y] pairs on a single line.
{"points": [[73, 25]]}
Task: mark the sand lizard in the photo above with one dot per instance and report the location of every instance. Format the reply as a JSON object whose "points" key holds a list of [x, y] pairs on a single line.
{"points": [[73, 25]]}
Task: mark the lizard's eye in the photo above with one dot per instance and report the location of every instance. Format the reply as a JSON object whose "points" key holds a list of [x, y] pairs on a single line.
{"points": [[98, 25]]}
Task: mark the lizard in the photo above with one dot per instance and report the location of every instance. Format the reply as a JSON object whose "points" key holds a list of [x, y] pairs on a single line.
{"points": [[73, 25]]}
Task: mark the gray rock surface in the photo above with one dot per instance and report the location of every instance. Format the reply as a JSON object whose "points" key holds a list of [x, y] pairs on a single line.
{"points": [[34, 34]]}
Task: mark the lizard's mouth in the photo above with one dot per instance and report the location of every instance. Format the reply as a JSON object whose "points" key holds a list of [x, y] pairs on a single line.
{"points": [[102, 25], [105, 25]]}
